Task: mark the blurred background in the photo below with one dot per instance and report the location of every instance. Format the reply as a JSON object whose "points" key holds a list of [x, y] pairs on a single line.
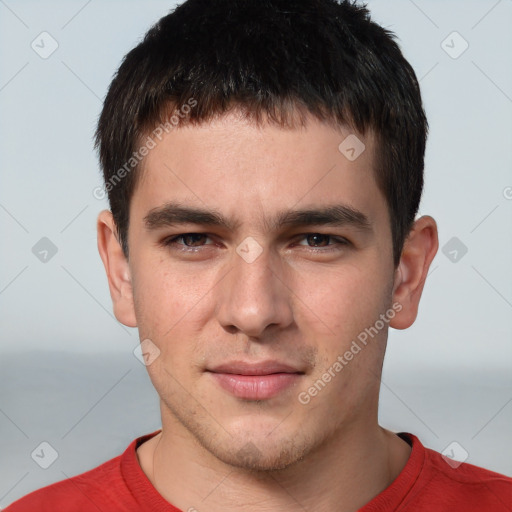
{"points": [[69, 372]]}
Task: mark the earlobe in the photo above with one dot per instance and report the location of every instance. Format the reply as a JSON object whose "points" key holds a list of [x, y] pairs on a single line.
{"points": [[117, 269], [418, 252]]}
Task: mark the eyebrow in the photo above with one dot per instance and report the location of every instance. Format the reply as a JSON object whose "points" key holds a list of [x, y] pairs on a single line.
{"points": [[339, 215]]}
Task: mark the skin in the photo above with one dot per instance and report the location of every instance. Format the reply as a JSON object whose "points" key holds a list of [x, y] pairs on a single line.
{"points": [[297, 303]]}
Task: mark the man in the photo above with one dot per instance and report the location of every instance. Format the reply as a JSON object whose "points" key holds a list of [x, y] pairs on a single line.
{"points": [[264, 166]]}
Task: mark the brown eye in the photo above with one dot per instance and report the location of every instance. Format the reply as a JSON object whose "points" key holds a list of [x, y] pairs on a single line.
{"points": [[186, 240], [318, 239], [321, 240], [192, 238]]}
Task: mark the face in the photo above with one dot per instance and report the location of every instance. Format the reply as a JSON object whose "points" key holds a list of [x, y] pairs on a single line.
{"points": [[261, 269]]}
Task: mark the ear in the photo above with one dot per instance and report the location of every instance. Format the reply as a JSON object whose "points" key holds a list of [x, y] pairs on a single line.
{"points": [[419, 250], [117, 269]]}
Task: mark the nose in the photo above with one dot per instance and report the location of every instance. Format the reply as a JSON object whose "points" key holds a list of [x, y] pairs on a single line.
{"points": [[253, 296]]}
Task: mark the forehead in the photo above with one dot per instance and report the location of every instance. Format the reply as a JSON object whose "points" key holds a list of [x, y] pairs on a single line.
{"points": [[250, 171]]}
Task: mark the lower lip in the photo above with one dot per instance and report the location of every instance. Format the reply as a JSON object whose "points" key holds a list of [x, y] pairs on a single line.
{"points": [[256, 387]]}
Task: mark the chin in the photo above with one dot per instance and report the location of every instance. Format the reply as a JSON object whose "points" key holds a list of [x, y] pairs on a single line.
{"points": [[258, 441], [260, 456]]}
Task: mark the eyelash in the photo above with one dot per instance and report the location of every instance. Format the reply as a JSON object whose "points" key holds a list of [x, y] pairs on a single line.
{"points": [[340, 242]]}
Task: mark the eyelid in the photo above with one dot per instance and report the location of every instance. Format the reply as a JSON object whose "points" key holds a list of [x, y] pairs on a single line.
{"points": [[338, 241], [320, 233], [170, 240], [335, 239]]}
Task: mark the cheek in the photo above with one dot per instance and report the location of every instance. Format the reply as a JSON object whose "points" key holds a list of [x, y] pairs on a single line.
{"points": [[165, 300], [341, 302], [339, 319], [164, 306]]}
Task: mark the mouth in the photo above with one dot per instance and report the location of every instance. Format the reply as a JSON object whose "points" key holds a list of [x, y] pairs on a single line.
{"points": [[255, 381]]}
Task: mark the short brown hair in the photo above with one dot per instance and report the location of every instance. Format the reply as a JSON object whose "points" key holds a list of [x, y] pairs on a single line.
{"points": [[270, 57]]}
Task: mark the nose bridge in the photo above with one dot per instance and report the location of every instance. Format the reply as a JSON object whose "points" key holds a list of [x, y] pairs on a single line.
{"points": [[252, 297]]}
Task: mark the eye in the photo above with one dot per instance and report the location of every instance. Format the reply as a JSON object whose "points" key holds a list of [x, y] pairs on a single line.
{"points": [[321, 240], [191, 241], [317, 242]]}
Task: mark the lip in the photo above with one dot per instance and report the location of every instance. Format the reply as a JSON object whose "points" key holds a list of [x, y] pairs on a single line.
{"points": [[255, 381], [261, 368]]}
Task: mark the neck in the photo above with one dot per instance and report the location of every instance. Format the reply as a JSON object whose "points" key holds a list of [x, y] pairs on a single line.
{"points": [[343, 474]]}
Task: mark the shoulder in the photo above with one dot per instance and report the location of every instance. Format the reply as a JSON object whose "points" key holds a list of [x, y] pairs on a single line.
{"points": [[116, 485], [112, 486], [91, 490], [448, 485]]}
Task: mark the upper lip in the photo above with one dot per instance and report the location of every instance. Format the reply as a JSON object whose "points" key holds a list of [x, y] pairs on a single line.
{"points": [[260, 368]]}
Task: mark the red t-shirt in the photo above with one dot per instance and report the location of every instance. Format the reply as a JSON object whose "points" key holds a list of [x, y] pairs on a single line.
{"points": [[427, 483]]}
